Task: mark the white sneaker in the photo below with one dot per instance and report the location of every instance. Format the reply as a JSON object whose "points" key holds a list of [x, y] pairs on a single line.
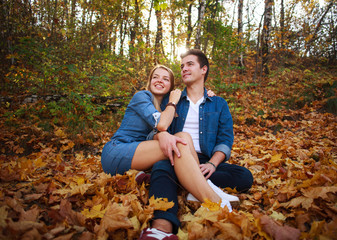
{"points": [[226, 203], [190, 197], [234, 200]]}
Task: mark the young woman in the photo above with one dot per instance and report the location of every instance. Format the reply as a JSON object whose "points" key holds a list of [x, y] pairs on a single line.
{"points": [[130, 148]]}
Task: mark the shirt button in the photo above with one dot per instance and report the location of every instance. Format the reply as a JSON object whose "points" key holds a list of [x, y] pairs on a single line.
{"points": [[200, 119], [200, 132]]}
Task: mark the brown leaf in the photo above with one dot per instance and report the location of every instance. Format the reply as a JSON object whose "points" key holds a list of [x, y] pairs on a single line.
{"points": [[229, 231], [115, 217], [65, 237], [71, 216], [24, 226], [32, 197], [30, 215], [305, 202], [31, 235], [276, 230]]}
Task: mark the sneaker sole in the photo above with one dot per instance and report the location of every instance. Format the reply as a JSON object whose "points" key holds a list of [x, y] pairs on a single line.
{"points": [[235, 204]]}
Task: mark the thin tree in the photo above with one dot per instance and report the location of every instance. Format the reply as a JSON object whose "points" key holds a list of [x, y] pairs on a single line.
{"points": [[158, 47], [265, 43], [313, 36], [240, 27], [189, 25], [202, 5]]}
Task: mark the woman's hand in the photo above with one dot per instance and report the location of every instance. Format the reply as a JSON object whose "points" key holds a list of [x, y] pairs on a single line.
{"points": [[175, 96], [210, 93]]}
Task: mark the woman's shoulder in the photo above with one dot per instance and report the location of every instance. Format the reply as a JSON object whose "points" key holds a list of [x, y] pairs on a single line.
{"points": [[143, 94]]}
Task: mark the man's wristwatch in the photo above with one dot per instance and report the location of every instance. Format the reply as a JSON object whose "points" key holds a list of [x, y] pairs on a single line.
{"points": [[172, 104]]}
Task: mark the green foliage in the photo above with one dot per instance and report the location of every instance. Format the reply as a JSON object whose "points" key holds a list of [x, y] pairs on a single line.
{"points": [[77, 112]]}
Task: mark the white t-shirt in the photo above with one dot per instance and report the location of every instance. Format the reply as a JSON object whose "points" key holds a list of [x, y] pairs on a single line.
{"points": [[192, 123]]}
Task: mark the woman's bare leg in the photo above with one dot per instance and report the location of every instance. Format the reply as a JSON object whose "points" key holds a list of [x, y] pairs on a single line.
{"points": [[188, 172], [147, 154]]}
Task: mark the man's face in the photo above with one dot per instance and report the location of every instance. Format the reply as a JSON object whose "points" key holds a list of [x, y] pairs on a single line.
{"points": [[191, 71]]}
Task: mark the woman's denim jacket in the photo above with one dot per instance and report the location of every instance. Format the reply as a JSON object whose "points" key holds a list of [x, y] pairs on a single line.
{"points": [[140, 118], [215, 123]]}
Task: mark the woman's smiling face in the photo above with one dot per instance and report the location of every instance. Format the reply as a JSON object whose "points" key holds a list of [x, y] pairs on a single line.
{"points": [[160, 82]]}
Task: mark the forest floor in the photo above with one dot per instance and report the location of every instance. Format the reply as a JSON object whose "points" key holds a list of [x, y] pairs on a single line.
{"points": [[53, 187]]}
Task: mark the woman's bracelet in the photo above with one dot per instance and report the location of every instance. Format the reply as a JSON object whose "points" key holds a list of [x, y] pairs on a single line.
{"points": [[211, 164]]}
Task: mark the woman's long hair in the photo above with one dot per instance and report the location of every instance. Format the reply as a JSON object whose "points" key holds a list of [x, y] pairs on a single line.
{"points": [[148, 87]]}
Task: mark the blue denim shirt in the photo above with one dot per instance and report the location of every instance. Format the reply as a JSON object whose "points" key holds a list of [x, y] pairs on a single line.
{"points": [[140, 118], [215, 123]]}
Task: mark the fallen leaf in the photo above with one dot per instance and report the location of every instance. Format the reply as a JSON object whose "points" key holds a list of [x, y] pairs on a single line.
{"points": [[95, 212], [160, 203], [115, 217]]}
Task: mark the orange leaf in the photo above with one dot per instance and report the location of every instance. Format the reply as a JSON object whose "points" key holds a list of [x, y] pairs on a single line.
{"points": [[160, 203]]}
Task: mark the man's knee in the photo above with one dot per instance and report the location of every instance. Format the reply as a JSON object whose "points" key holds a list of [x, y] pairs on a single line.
{"points": [[162, 172], [184, 135], [248, 180]]}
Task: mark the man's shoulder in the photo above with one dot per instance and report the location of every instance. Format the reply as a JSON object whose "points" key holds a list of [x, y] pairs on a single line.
{"points": [[217, 99]]}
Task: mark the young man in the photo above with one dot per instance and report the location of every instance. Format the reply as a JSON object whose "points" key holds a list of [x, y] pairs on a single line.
{"points": [[209, 122]]}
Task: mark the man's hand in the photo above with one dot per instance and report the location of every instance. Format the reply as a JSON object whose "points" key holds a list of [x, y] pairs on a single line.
{"points": [[207, 169], [168, 144]]}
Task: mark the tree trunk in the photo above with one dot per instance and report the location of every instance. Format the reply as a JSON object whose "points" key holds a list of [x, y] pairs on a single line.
{"points": [[265, 44], [200, 23], [240, 8], [318, 26], [134, 32], [189, 26], [148, 26], [54, 21], [282, 24], [159, 36], [214, 11]]}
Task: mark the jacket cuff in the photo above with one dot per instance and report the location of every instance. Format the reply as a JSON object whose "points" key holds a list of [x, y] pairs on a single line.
{"points": [[223, 148], [151, 134]]}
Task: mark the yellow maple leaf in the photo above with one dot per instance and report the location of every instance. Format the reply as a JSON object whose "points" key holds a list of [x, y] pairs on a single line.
{"points": [[182, 235], [60, 133], [135, 223], [69, 145], [94, 212], [278, 216], [276, 158], [39, 162], [160, 203], [212, 206], [74, 189]]}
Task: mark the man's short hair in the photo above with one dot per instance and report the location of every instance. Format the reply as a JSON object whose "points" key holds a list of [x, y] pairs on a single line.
{"points": [[202, 59]]}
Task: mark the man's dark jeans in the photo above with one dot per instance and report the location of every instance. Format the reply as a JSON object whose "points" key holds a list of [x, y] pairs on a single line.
{"points": [[164, 184]]}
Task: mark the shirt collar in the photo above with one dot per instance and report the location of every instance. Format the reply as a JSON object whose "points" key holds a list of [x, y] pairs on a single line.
{"points": [[206, 97]]}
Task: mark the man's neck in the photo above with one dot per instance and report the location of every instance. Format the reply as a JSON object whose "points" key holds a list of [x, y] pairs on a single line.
{"points": [[195, 92]]}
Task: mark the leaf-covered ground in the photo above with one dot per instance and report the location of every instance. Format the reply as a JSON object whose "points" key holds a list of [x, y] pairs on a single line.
{"points": [[57, 191]]}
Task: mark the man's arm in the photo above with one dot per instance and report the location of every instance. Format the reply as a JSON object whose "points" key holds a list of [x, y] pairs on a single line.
{"points": [[168, 144]]}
